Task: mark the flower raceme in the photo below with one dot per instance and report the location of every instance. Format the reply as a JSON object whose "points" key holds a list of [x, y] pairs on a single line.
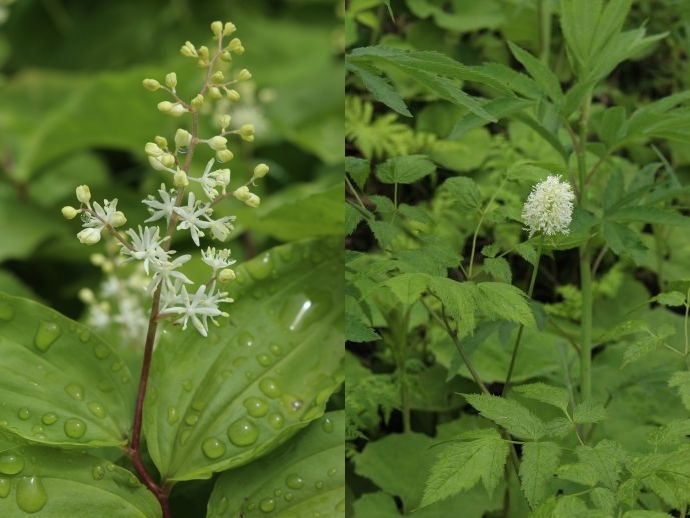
{"points": [[175, 208], [549, 207]]}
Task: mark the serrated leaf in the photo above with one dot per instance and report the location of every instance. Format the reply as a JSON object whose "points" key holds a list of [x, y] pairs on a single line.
{"points": [[606, 459], [612, 127], [681, 381], [648, 214], [537, 466], [527, 252], [645, 514], [588, 411], [624, 241], [356, 330], [504, 302], [542, 75], [53, 482], [464, 191], [462, 464], [352, 218], [578, 472], [498, 108], [604, 500], [415, 213], [640, 348], [405, 169], [384, 232], [380, 88], [554, 396], [223, 401], [408, 287], [629, 327], [358, 169], [310, 468], [508, 414], [59, 383], [459, 300], [498, 268], [672, 299]]}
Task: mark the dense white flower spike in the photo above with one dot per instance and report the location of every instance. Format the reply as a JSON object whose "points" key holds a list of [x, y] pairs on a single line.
{"points": [[549, 207], [146, 269]]}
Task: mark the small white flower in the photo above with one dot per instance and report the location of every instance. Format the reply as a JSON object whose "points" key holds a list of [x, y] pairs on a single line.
{"points": [[549, 207], [217, 259], [198, 307], [167, 272], [146, 246], [161, 209], [190, 216]]}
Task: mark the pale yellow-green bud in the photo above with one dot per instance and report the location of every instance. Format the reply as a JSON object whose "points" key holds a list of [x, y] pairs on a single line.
{"points": [[151, 84], [217, 77], [153, 149], [217, 143], [157, 164], [98, 259], [69, 212], [214, 93], [182, 138], [171, 80], [177, 110], [217, 29], [165, 106], [224, 155], [180, 179], [260, 171], [161, 142], [241, 193], [225, 56], [247, 132], [233, 95], [198, 101], [224, 121], [83, 194], [252, 200], [87, 296], [118, 219], [203, 55], [188, 50], [235, 46], [167, 159], [89, 236], [226, 275], [244, 75], [229, 28]]}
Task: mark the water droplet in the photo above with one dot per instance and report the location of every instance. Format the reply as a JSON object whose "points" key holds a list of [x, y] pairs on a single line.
{"points": [[213, 448], [31, 495], [117, 366], [327, 425], [6, 311], [276, 350], [269, 387], [243, 432], [24, 413], [75, 391], [98, 472], [249, 375], [49, 418], [264, 359], [110, 466], [101, 351], [245, 339], [75, 428], [11, 464], [276, 421], [5, 486], [277, 491], [184, 436], [125, 378], [299, 310], [318, 484], [267, 505], [288, 496], [96, 409], [239, 361], [37, 430], [85, 335], [187, 385], [294, 404], [294, 481], [256, 407], [46, 334], [173, 415], [191, 419], [260, 267], [199, 405], [332, 472]]}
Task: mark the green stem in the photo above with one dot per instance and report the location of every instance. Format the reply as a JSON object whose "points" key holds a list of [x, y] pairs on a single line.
{"points": [[586, 323], [530, 291]]}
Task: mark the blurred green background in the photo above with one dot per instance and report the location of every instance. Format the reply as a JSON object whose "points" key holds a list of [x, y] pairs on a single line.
{"points": [[73, 111]]}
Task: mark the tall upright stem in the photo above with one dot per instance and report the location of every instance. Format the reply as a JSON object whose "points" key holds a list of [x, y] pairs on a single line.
{"points": [[586, 323]]}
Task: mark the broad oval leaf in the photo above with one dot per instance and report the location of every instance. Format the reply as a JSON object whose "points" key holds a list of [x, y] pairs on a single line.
{"points": [[51, 482], [220, 402], [305, 478], [59, 383]]}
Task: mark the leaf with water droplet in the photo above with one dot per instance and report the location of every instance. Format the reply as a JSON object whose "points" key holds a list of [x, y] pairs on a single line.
{"points": [[309, 472], [284, 349], [56, 369]]}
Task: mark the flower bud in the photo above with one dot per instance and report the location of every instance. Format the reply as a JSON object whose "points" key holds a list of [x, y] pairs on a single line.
{"points": [[152, 149], [244, 75], [229, 28], [214, 93], [157, 164], [247, 132], [217, 77], [182, 138], [252, 200], [203, 54], [98, 259], [118, 219], [87, 296], [235, 46], [180, 179], [188, 50], [225, 56], [233, 95], [151, 84], [224, 155], [168, 160], [165, 106], [217, 29], [177, 110], [226, 275], [89, 236], [241, 193], [260, 171], [83, 194], [224, 121], [222, 176], [69, 212], [198, 101], [217, 143], [161, 142], [171, 80]]}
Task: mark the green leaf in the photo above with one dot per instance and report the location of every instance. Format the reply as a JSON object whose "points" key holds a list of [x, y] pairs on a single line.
{"points": [[462, 463], [588, 411], [681, 381], [408, 287], [222, 401], [352, 218], [554, 396], [59, 383], [358, 169], [498, 108], [384, 232], [380, 88], [648, 214], [405, 169], [504, 301], [537, 467], [612, 127], [544, 77], [53, 482], [464, 191], [605, 459], [624, 241], [310, 468], [649, 343], [672, 299], [645, 514], [459, 300], [509, 414], [498, 268]]}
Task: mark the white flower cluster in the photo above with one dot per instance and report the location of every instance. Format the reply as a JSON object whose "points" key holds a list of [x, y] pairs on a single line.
{"points": [[549, 207], [178, 208]]}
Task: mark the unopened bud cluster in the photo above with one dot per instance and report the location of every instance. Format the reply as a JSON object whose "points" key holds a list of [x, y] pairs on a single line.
{"points": [[174, 207]]}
